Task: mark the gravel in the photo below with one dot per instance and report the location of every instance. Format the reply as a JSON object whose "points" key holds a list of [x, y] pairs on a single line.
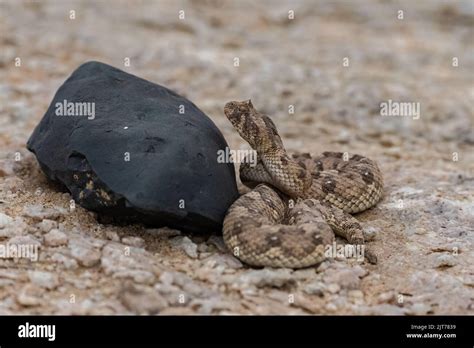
{"points": [[422, 230]]}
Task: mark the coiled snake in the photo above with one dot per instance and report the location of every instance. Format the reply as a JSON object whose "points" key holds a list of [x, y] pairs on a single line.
{"points": [[264, 228]]}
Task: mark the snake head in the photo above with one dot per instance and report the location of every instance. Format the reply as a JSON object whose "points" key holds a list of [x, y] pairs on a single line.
{"points": [[237, 111], [243, 117], [256, 128]]}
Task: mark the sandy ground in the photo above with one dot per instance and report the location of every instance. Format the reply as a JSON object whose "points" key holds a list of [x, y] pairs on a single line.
{"points": [[423, 229]]}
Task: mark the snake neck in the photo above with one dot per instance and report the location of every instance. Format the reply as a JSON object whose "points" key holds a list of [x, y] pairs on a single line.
{"points": [[287, 175]]}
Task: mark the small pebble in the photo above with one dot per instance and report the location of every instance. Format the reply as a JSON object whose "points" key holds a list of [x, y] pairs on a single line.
{"points": [[45, 280], [331, 307], [28, 296], [133, 241], [67, 262], [357, 294], [268, 277], [333, 288], [112, 235], [420, 230], [84, 253], [386, 297], [419, 309], [315, 288], [370, 233], [185, 244], [142, 300], [5, 220], [24, 240], [38, 212], [55, 238], [47, 225], [446, 260]]}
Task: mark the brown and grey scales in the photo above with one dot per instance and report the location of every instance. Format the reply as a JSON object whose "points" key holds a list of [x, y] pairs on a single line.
{"points": [[263, 228]]}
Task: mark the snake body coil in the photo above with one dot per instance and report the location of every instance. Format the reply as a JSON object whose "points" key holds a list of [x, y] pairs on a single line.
{"points": [[264, 228]]}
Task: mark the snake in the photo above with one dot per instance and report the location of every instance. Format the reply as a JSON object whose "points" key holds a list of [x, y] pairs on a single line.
{"points": [[297, 203]]}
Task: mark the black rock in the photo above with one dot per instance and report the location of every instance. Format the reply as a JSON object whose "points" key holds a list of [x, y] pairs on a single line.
{"points": [[132, 154]]}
